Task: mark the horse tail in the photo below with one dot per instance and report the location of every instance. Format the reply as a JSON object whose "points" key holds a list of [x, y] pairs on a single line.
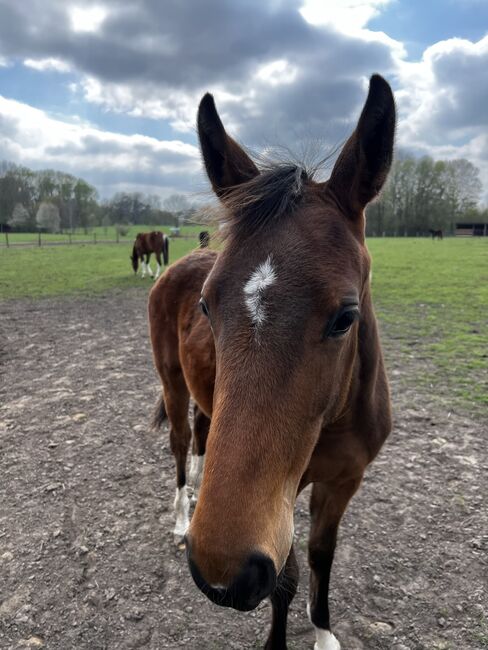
{"points": [[159, 415], [165, 250], [135, 258]]}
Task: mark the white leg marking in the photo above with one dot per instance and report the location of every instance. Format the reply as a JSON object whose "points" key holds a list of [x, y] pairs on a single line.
{"points": [[149, 270], [196, 470], [143, 269], [262, 278], [326, 640], [193, 468], [182, 510], [158, 271]]}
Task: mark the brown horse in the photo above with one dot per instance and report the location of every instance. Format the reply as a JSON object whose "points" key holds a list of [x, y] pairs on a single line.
{"points": [[146, 243], [285, 359]]}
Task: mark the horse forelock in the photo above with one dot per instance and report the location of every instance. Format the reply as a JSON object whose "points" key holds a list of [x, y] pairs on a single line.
{"points": [[265, 199]]}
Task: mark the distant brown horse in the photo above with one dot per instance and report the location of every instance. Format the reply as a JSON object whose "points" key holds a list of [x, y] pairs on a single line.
{"points": [[146, 243], [435, 233], [285, 359]]}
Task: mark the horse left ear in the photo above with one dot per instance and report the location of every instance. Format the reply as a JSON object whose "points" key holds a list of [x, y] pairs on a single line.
{"points": [[227, 164], [364, 163]]}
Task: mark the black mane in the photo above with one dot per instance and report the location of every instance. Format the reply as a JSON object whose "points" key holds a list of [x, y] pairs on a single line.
{"points": [[266, 198]]}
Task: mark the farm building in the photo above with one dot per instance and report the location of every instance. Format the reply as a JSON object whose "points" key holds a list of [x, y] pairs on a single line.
{"points": [[471, 230]]}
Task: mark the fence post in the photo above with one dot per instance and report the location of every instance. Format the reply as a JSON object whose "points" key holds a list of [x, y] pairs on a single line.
{"points": [[39, 238], [117, 236], [6, 238]]}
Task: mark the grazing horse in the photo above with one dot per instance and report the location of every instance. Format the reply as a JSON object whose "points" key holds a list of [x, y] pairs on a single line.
{"points": [[146, 243], [284, 359], [204, 238], [435, 233]]}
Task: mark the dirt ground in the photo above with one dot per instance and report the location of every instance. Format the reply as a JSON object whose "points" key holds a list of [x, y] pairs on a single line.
{"points": [[87, 558]]}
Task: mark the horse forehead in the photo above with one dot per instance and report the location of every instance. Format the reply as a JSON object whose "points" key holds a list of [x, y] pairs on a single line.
{"points": [[263, 277]]}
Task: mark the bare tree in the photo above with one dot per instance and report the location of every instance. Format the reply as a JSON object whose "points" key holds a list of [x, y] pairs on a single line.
{"points": [[178, 205]]}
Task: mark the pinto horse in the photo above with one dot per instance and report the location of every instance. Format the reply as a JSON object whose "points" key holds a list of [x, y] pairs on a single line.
{"points": [[283, 357], [146, 243]]}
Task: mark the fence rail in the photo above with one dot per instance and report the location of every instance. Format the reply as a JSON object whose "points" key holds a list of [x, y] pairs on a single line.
{"points": [[40, 241]]}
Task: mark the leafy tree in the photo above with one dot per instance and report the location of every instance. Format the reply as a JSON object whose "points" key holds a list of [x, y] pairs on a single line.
{"points": [[422, 194], [85, 201]]}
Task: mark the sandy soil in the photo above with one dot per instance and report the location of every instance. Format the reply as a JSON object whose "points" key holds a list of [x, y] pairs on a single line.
{"points": [[87, 559]]}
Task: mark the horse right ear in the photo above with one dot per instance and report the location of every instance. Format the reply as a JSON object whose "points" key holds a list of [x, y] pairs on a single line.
{"points": [[227, 164], [363, 165]]}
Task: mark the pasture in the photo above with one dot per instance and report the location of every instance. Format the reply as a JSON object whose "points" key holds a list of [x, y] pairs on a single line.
{"points": [[98, 233], [87, 558]]}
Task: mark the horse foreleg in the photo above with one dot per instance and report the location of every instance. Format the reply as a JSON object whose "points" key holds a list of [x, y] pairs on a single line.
{"points": [[177, 400], [143, 267], [201, 426], [158, 268], [327, 505], [280, 602], [148, 257]]}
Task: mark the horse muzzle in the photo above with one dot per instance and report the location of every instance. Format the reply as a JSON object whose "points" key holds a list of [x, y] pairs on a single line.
{"points": [[256, 580]]}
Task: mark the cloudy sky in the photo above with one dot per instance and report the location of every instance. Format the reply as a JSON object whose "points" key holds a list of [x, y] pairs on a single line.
{"points": [[108, 91]]}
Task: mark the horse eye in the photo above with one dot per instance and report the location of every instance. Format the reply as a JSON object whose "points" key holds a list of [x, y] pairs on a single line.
{"points": [[203, 306], [341, 324]]}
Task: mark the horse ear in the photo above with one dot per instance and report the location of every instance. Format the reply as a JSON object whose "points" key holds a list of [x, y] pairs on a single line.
{"points": [[227, 164], [364, 163]]}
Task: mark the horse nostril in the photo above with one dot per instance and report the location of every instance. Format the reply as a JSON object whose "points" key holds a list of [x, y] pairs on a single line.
{"points": [[255, 581]]}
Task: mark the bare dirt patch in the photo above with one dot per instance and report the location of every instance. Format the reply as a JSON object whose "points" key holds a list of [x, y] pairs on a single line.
{"points": [[87, 558]]}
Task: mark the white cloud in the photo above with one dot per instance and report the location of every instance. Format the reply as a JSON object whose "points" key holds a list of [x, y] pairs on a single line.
{"points": [[47, 64], [87, 19], [277, 73], [442, 101], [140, 100], [281, 72], [345, 15], [351, 17], [31, 137]]}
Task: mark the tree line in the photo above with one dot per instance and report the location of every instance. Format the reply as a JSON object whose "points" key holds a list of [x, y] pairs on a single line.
{"points": [[54, 201], [423, 194], [420, 194]]}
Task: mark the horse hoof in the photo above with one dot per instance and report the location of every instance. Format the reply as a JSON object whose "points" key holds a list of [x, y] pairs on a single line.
{"points": [[179, 537]]}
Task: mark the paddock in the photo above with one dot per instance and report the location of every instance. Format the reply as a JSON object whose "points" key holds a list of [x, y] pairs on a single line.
{"points": [[87, 557]]}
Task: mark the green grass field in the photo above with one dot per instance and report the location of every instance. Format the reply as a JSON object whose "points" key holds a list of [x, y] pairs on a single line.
{"points": [[431, 297], [71, 270]]}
